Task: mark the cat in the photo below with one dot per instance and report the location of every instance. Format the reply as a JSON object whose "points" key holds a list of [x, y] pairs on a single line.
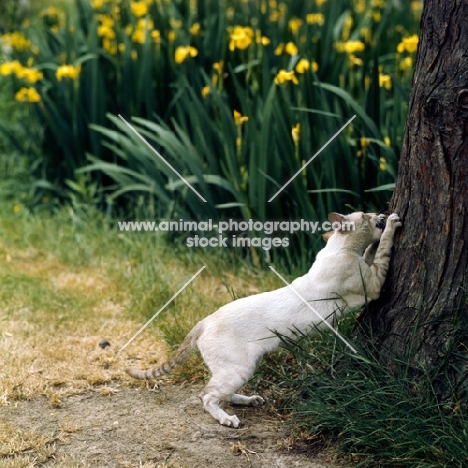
{"points": [[347, 272]]}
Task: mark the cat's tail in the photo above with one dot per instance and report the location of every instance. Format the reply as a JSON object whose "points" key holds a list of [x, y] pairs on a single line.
{"points": [[180, 356]]}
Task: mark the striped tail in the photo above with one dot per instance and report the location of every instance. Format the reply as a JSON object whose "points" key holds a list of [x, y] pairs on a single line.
{"points": [[178, 359]]}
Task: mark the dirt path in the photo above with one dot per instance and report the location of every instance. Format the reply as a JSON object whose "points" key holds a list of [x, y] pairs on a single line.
{"points": [[137, 427]]}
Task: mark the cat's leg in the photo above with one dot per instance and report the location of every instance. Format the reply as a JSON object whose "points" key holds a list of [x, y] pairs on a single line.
{"points": [[371, 250], [369, 253], [254, 400], [222, 386], [378, 269]]}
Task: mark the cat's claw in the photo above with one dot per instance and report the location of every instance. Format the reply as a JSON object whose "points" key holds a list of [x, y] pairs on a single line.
{"points": [[230, 421], [394, 220]]}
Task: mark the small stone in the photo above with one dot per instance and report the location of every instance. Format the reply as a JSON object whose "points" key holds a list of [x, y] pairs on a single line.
{"points": [[104, 344]]}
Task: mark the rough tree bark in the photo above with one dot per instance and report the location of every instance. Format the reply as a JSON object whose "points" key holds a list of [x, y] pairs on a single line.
{"points": [[425, 294]]}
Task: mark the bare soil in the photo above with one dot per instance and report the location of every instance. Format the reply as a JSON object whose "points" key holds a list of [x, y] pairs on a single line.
{"points": [[122, 426]]}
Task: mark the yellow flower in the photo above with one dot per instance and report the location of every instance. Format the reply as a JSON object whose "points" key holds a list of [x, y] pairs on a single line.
{"points": [[350, 47], [296, 132], [383, 164], [241, 38], [360, 6], [406, 63], [156, 36], [303, 65], [109, 46], [387, 141], [16, 208], [410, 44], [261, 39], [32, 75], [51, 11], [28, 95], [291, 48], [97, 4], [275, 16], [195, 29], [283, 76], [239, 119], [295, 24], [347, 25], [171, 36], [175, 23], [182, 52], [385, 81], [205, 91], [68, 71], [139, 8], [218, 66], [364, 142], [279, 49], [9, 68], [139, 36], [315, 18], [17, 41], [143, 23], [106, 31], [416, 7], [355, 60]]}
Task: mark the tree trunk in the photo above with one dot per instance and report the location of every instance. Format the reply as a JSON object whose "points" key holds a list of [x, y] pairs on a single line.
{"points": [[424, 299]]}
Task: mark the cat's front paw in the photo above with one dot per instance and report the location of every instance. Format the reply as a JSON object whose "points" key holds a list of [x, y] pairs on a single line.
{"points": [[394, 221]]}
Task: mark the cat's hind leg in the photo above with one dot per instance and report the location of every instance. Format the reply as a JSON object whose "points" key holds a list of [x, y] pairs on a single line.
{"points": [[222, 387], [254, 400]]}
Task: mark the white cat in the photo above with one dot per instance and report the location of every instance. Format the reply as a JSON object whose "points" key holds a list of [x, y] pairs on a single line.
{"points": [[233, 339]]}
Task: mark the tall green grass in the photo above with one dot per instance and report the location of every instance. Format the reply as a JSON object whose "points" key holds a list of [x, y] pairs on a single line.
{"points": [[128, 58], [373, 416]]}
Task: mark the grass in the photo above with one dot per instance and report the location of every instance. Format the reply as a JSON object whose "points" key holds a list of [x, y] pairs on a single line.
{"points": [[227, 117], [68, 281], [373, 417], [27, 449]]}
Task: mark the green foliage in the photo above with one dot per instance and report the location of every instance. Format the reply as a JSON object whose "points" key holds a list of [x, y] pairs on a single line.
{"points": [[235, 95], [375, 417]]}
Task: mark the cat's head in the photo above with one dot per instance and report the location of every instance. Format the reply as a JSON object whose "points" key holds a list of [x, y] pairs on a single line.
{"points": [[368, 226]]}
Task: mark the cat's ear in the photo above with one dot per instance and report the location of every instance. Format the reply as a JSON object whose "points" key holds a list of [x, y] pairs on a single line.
{"points": [[336, 218], [327, 235]]}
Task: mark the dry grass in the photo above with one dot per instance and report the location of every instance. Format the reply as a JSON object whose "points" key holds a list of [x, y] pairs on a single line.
{"points": [[56, 353], [65, 288], [57, 304], [21, 449]]}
